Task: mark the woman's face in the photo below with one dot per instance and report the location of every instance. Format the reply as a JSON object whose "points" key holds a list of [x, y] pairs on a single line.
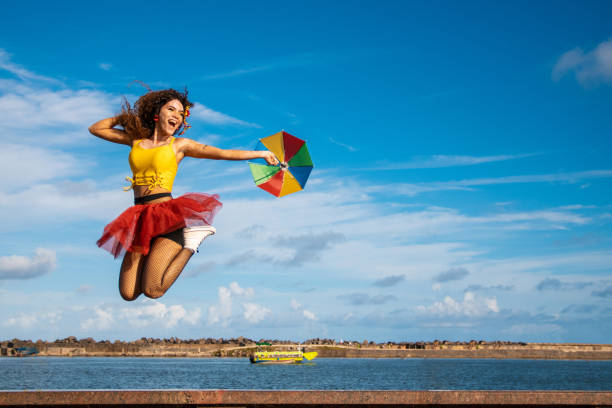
{"points": [[170, 117]]}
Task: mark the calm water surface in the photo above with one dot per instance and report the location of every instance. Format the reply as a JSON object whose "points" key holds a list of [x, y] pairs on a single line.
{"points": [[42, 373]]}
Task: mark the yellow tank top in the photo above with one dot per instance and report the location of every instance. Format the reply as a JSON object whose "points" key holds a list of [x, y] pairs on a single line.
{"points": [[155, 167]]}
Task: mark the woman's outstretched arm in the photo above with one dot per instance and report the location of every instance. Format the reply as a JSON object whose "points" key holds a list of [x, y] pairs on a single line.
{"points": [[105, 129], [191, 148]]}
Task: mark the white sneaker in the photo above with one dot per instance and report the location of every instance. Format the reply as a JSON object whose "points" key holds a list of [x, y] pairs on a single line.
{"points": [[195, 235]]}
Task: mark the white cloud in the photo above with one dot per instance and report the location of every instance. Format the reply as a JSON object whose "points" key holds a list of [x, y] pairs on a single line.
{"points": [[491, 304], [22, 320], [221, 313], [578, 261], [438, 161], [567, 62], [254, 313], [236, 290], [27, 107], [35, 164], [295, 305], [193, 317], [412, 189], [309, 315], [29, 320], [591, 67], [360, 299], [530, 329], [102, 320], [174, 314], [297, 249], [7, 65], [470, 306], [207, 115], [240, 71], [380, 240], [52, 317], [22, 267], [297, 60], [105, 66], [152, 312], [451, 275], [57, 202], [84, 288], [347, 147]]}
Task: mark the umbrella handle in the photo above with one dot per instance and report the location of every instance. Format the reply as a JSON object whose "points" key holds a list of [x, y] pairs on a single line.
{"points": [[283, 166]]}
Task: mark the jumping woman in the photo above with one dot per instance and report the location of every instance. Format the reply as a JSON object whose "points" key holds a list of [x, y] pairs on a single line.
{"points": [[159, 234]]}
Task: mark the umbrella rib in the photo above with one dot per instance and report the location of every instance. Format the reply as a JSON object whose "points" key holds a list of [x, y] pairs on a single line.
{"points": [[261, 178]]}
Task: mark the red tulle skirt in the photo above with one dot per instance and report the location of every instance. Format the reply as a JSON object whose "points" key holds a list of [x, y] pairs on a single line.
{"points": [[133, 230]]}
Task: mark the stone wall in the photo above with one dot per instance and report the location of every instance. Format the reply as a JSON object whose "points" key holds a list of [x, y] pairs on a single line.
{"points": [[523, 353], [326, 348]]}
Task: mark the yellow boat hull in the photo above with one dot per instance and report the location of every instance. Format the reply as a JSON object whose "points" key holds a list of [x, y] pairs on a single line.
{"points": [[281, 357]]}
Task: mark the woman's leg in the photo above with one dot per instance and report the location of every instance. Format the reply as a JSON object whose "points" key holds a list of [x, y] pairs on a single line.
{"points": [[163, 265], [131, 275]]}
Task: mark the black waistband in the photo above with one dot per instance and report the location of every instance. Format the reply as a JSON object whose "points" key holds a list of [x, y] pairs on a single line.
{"points": [[146, 199]]}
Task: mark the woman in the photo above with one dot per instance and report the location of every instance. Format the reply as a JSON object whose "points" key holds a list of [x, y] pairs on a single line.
{"points": [[159, 234]]}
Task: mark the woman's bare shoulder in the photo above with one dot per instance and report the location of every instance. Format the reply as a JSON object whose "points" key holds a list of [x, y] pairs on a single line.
{"points": [[181, 141], [186, 141]]}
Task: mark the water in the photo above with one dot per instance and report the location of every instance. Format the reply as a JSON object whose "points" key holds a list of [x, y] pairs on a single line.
{"points": [[44, 373]]}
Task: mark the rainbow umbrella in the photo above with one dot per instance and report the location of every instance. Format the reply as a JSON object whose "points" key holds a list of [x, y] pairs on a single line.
{"points": [[291, 173]]}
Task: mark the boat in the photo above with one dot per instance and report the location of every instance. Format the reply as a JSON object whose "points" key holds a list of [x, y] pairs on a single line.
{"points": [[24, 351], [280, 356]]}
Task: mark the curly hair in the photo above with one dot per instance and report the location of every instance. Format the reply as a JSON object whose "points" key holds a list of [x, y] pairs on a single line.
{"points": [[138, 121]]}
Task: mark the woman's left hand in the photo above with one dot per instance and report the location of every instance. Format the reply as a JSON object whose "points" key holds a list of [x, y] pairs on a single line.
{"points": [[269, 157]]}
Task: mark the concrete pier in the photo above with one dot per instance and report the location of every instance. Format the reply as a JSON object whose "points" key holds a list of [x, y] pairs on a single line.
{"points": [[311, 399]]}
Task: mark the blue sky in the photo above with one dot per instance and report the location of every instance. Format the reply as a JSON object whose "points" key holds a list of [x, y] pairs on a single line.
{"points": [[462, 176]]}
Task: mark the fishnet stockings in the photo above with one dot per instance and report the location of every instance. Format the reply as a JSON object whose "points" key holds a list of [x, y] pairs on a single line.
{"points": [[129, 277], [155, 273]]}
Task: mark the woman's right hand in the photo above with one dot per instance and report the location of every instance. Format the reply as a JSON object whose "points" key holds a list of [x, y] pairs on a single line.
{"points": [[105, 129]]}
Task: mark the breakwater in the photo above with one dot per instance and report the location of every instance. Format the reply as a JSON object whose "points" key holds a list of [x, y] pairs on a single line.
{"points": [[242, 347]]}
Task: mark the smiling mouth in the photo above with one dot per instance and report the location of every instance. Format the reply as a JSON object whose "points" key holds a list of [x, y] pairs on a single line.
{"points": [[172, 123]]}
